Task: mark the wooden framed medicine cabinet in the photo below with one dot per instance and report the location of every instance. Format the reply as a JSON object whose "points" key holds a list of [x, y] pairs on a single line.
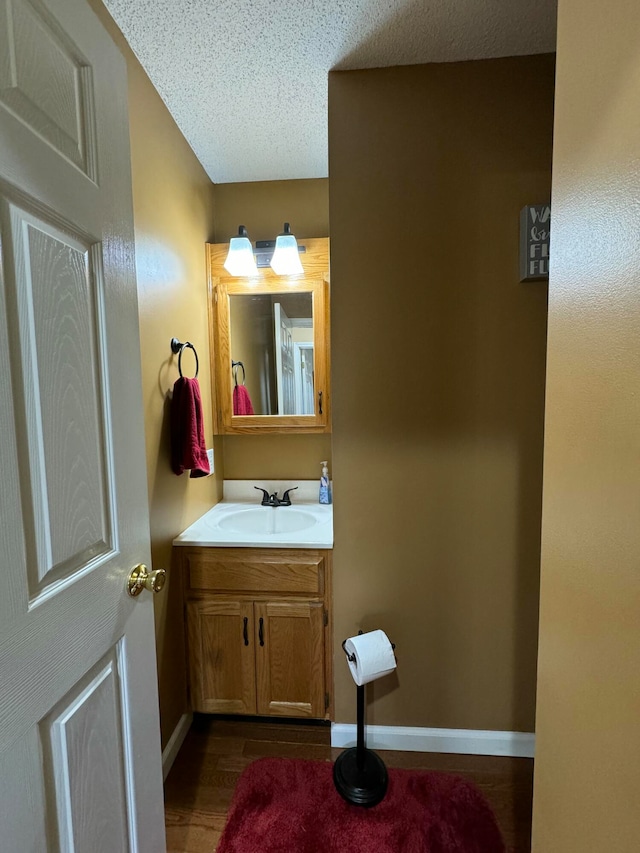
{"points": [[270, 334]]}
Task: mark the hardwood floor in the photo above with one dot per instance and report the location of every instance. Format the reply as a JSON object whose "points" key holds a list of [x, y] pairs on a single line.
{"points": [[200, 786]]}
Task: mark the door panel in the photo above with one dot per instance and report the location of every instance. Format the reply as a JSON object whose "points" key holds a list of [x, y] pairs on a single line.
{"points": [[53, 96], [57, 349], [78, 684], [85, 764]]}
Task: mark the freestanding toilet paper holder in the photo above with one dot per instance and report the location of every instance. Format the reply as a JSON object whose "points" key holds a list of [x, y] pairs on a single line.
{"points": [[359, 774]]}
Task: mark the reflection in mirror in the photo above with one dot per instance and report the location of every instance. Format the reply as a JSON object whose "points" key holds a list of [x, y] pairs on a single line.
{"points": [[272, 338]]}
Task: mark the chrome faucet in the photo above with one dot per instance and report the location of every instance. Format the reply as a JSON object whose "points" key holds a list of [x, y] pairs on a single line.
{"points": [[273, 500]]}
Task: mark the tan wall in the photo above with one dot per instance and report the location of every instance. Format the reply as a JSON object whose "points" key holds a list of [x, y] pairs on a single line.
{"points": [[438, 382], [587, 773], [173, 217], [264, 206], [275, 457]]}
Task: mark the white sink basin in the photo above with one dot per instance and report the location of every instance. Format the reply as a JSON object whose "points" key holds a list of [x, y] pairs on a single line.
{"points": [[267, 520], [239, 521]]}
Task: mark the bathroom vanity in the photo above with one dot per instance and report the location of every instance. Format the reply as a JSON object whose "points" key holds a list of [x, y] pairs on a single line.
{"points": [[257, 591]]}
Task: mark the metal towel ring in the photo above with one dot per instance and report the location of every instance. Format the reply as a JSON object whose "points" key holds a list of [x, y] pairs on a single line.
{"points": [[234, 367], [178, 347]]}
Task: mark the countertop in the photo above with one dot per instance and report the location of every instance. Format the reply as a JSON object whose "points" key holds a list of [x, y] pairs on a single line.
{"points": [[239, 521]]}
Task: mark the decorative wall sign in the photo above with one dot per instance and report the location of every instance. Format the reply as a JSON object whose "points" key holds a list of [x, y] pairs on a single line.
{"points": [[535, 222]]}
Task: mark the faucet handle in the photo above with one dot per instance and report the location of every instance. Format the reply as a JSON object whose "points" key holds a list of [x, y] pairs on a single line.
{"points": [[265, 495], [285, 498]]}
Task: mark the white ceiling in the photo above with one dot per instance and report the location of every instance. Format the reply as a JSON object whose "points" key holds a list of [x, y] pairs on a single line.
{"points": [[246, 80]]}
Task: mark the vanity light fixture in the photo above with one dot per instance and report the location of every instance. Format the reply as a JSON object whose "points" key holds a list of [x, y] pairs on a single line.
{"points": [[240, 260], [286, 259]]}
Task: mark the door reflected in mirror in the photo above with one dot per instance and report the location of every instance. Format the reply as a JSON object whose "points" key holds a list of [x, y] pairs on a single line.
{"points": [[272, 352]]}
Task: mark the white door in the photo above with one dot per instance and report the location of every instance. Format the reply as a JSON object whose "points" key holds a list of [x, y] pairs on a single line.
{"points": [[303, 363], [285, 382], [80, 763]]}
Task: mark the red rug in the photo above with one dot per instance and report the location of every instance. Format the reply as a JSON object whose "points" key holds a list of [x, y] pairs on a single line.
{"points": [[283, 805]]}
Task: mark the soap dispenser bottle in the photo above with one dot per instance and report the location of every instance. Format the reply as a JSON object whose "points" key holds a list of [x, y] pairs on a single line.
{"points": [[325, 485]]}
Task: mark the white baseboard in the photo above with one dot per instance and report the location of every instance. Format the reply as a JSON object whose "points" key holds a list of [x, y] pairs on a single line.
{"points": [[458, 741], [175, 742]]}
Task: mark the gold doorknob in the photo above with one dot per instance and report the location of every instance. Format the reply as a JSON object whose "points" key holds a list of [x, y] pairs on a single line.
{"points": [[140, 578]]}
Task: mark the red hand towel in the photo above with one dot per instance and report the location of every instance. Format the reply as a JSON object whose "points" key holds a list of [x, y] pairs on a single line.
{"points": [[242, 401], [188, 448]]}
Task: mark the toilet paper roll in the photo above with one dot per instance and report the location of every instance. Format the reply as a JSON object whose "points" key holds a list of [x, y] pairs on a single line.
{"points": [[373, 655]]}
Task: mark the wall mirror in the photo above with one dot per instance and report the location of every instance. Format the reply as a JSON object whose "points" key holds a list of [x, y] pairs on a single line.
{"points": [[270, 346]]}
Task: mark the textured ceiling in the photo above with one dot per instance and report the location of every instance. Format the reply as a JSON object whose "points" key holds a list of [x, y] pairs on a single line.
{"points": [[246, 80]]}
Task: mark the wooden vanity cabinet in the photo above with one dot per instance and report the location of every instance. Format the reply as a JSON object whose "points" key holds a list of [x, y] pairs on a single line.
{"points": [[258, 630]]}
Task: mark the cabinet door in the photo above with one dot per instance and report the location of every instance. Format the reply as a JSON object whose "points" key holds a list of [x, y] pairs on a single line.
{"points": [[289, 639], [221, 656]]}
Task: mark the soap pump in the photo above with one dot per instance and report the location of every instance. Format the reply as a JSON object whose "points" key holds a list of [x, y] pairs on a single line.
{"points": [[325, 485]]}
